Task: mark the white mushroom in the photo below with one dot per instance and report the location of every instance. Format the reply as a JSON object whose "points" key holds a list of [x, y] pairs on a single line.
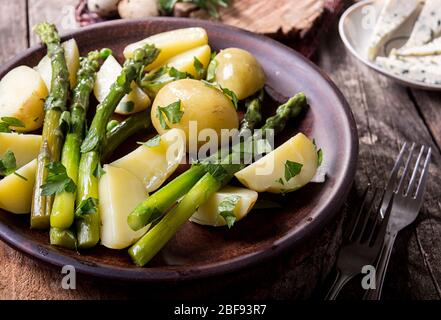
{"points": [[132, 9]]}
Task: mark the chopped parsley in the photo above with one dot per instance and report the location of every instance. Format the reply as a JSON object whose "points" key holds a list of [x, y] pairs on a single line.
{"points": [[172, 112], [226, 209], [7, 122], [87, 206], [292, 169], [57, 180]]}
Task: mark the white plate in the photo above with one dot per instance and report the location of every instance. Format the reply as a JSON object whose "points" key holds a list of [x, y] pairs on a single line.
{"points": [[356, 28]]}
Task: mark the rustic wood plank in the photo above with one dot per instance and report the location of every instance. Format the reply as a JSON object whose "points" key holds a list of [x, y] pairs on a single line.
{"points": [[285, 17], [429, 105], [13, 28], [386, 117], [61, 13]]}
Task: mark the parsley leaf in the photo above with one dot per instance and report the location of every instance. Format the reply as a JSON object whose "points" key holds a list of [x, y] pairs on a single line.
{"points": [[8, 163], [57, 180], [319, 157], [292, 169], [211, 70], [175, 74], [281, 181], [232, 96], [199, 67], [226, 209], [172, 112], [87, 206], [7, 122], [153, 142]]}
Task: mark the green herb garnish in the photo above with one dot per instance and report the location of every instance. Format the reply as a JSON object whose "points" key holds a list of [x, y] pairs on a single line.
{"points": [[87, 206], [8, 163], [153, 142], [226, 209], [57, 180], [199, 67], [292, 169], [7, 122], [172, 112], [211, 70]]}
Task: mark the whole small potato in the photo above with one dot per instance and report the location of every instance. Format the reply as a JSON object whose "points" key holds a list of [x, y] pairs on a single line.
{"points": [[239, 71], [207, 106], [104, 8], [132, 9]]}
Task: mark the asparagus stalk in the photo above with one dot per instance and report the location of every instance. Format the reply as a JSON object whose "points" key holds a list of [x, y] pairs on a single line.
{"points": [[52, 134], [153, 241], [92, 146], [253, 114], [62, 215], [123, 130], [63, 238]]}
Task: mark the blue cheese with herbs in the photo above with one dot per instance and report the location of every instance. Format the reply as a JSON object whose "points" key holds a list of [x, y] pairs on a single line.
{"points": [[427, 26], [392, 16], [421, 69], [429, 49]]}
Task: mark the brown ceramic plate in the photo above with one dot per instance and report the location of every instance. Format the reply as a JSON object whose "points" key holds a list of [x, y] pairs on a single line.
{"points": [[198, 251]]}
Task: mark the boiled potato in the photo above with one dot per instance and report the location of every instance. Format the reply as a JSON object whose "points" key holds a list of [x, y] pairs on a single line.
{"points": [[184, 62], [16, 192], [132, 9], [119, 193], [22, 94], [205, 106], [208, 213], [133, 102], [154, 164], [269, 172], [72, 56], [24, 146], [171, 44], [239, 71]]}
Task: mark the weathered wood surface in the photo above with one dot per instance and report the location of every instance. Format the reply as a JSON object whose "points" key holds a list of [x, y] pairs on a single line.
{"points": [[286, 17], [386, 114]]}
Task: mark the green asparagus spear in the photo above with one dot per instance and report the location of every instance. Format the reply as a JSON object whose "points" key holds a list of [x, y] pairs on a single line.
{"points": [[153, 241], [120, 132], [62, 215], [52, 134], [253, 114], [150, 244], [63, 238], [92, 147]]}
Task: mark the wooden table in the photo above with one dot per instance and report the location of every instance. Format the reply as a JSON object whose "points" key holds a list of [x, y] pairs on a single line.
{"points": [[386, 113]]}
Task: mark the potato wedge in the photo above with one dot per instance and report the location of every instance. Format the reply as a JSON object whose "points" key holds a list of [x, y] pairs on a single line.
{"points": [[270, 172], [133, 102], [208, 214], [171, 44], [22, 94], [153, 165], [16, 192], [72, 55], [184, 62], [24, 146], [119, 193]]}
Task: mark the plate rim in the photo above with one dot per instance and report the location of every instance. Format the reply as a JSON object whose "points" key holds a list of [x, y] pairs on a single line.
{"points": [[172, 274], [370, 64]]}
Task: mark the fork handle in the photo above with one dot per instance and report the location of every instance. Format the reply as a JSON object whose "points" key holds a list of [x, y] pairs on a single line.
{"points": [[338, 284], [383, 262]]}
